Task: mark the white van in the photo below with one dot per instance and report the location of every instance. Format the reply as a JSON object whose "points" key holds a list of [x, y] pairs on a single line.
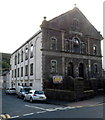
{"points": [[22, 90]]}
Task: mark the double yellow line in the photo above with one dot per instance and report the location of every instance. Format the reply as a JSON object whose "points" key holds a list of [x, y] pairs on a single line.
{"points": [[5, 116]]}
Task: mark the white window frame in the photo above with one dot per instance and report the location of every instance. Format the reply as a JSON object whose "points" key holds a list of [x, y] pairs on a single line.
{"points": [[95, 50], [55, 66], [55, 43], [31, 50]]}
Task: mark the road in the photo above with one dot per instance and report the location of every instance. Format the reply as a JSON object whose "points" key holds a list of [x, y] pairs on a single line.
{"points": [[18, 108]]}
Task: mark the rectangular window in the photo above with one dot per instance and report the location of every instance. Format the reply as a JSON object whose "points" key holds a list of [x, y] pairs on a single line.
{"points": [[53, 66], [21, 71], [15, 73], [95, 69], [31, 69], [30, 84], [94, 50], [25, 84], [18, 72], [12, 73], [21, 56], [67, 45], [83, 48], [31, 51], [26, 53], [15, 59], [26, 70], [53, 43], [18, 58]]}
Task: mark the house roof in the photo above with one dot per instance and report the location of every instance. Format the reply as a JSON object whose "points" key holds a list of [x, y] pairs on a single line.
{"points": [[64, 20], [28, 41]]}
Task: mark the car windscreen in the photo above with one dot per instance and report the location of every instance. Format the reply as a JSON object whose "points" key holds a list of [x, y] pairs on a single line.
{"points": [[39, 92]]}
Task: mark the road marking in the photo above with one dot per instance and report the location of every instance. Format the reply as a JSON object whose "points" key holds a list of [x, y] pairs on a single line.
{"points": [[28, 114], [51, 109], [35, 107], [41, 112], [59, 108], [15, 117]]}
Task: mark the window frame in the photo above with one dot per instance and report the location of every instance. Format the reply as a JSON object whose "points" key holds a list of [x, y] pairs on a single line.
{"points": [[95, 68], [67, 45], [53, 71], [26, 70], [31, 69], [76, 46], [21, 71], [26, 53], [94, 50], [15, 59], [31, 50], [55, 42], [18, 57], [22, 55], [82, 49], [18, 72]]}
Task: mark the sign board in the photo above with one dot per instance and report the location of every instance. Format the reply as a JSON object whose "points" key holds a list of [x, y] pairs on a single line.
{"points": [[57, 79]]}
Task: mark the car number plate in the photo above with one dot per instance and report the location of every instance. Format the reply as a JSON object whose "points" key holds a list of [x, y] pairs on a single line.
{"points": [[40, 97]]}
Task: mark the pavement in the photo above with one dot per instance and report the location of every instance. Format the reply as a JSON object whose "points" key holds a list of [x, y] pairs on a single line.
{"points": [[92, 101]]}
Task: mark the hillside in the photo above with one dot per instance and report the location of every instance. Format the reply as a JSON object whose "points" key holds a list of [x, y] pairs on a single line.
{"points": [[5, 61]]}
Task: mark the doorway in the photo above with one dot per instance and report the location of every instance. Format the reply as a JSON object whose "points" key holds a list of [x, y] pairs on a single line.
{"points": [[81, 70]]}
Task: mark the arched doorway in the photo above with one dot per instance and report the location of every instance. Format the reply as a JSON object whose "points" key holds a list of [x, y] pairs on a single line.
{"points": [[81, 70], [70, 69]]}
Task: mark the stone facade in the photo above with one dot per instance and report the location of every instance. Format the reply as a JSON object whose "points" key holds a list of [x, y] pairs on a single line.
{"points": [[66, 48], [74, 44]]}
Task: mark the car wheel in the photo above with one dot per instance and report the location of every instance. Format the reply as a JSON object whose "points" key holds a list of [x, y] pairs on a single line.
{"points": [[31, 100]]}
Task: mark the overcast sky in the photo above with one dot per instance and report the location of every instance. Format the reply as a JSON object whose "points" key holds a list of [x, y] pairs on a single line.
{"points": [[20, 19]]}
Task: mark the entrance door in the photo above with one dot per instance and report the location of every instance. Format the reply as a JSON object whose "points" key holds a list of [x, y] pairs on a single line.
{"points": [[81, 70]]}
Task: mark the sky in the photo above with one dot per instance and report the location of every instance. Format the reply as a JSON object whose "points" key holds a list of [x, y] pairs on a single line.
{"points": [[20, 19]]}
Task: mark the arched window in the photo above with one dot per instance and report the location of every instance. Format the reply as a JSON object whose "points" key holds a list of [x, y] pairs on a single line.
{"points": [[26, 53], [15, 59], [53, 66], [53, 43], [76, 45], [95, 69], [18, 58], [81, 70], [70, 69], [22, 56], [83, 48], [31, 51], [94, 50]]}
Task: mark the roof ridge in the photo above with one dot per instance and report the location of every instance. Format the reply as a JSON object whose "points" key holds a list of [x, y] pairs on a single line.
{"points": [[62, 14]]}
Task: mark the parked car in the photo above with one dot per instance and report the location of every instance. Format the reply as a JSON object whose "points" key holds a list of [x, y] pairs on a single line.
{"points": [[34, 95], [10, 91], [22, 90]]}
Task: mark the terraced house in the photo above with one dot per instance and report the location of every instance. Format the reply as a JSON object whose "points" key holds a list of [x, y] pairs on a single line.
{"points": [[67, 46]]}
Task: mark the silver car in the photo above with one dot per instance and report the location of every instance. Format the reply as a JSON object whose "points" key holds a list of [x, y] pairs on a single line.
{"points": [[10, 91], [34, 95]]}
